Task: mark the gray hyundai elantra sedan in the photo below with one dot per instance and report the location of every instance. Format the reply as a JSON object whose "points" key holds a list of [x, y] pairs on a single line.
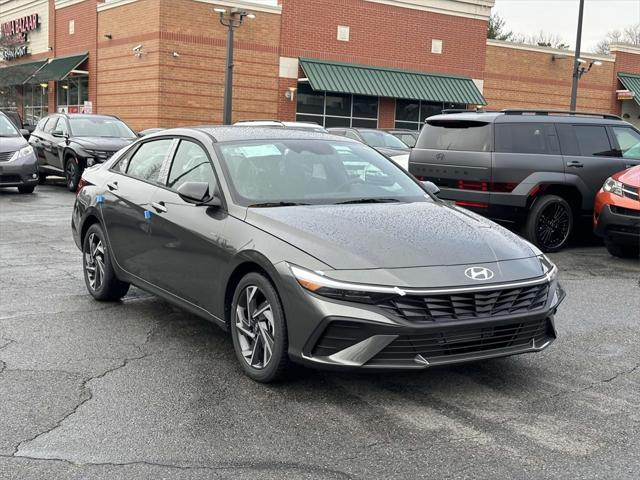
{"points": [[312, 249]]}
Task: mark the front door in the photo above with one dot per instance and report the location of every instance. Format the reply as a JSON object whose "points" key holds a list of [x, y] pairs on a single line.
{"points": [[126, 208], [189, 239]]}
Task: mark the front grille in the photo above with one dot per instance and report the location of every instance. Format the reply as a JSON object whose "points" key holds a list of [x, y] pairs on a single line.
{"points": [[340, 335], [625, 211], [10, 179], [5, 156], [461, 306], [460, 343], [630, 192]]}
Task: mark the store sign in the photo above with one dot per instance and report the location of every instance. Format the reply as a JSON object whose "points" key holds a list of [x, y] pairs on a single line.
{"points": [[14, 36], [625, 94]]}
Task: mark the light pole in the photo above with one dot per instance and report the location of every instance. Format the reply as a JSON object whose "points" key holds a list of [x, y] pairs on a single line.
{"points": [[576, 63], [232, 21]]}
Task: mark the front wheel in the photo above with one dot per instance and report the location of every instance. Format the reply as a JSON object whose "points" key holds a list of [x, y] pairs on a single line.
{"points": [[99, 275], [622, 251], [72, 173], [550, 223], [258, 329]]}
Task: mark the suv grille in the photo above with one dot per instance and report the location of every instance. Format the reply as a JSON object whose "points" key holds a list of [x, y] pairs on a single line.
{"points": [[460, 306], [5, 156], [625, 211], [456, 343]]}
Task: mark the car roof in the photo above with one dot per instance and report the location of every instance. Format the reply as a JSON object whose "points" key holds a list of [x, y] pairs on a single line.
{"points": [[235, 133], [83, 115], [530, 117]]}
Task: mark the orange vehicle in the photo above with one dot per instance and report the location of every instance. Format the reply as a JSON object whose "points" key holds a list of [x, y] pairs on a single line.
{"points": [[616, 213]]}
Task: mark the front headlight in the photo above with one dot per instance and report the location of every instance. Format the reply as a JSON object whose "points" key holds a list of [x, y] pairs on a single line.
{"points": [[549, 268], [23, 153], [318, 283], [612, 186]]}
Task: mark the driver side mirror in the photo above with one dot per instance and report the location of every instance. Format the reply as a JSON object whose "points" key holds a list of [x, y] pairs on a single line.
{"points": [[431, 187], [59, 134], [198, 193]]}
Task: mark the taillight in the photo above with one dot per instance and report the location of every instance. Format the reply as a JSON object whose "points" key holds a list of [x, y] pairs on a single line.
{"points": [[81, 184], [480, 186], [462, 203]]}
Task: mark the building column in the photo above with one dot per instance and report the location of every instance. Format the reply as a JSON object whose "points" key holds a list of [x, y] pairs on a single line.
{"points": [[387, 112]]}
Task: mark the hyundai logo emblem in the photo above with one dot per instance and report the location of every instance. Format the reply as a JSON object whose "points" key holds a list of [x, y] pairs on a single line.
{"points": [[440, 157], [478, 273]]}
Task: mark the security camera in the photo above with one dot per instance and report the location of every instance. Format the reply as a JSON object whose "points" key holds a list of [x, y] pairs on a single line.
{"points": [[176, 54], [137, 48]]}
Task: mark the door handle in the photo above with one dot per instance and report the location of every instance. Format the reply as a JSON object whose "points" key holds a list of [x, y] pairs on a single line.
{"points": [[575, 164], [159, 207], [112, 186]]}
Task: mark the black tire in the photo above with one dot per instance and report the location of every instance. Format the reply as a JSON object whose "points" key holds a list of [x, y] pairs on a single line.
{"points": [[278, 366], [550, 223], [42, 179], [622, 251], [72, 173], [26, 188], [108, 288]]}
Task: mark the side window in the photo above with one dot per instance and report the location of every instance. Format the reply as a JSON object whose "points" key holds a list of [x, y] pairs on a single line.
{"points": [[352, 135], [190, 164], [41, 124], [628, 141], [62, 126], [147, 161], [51, 125], [593, 141], [521, 138]]}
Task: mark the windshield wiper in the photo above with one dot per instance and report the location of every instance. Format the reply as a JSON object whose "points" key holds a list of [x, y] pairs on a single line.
{"points": [[276, 204], [369, 200]]}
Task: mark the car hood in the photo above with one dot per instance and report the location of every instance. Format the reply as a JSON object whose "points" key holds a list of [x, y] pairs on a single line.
{"points": [[109, 144], [629, 177], [11, 144], [390, 235]]}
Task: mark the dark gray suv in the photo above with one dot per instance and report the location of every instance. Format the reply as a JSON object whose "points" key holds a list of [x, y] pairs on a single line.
{"points": [[537, 170]]}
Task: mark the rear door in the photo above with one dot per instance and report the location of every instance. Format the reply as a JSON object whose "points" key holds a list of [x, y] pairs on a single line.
{"points": [[525, 154], [126, 208], [590, 156], [188, 238], [456, 155], [36, 140]]}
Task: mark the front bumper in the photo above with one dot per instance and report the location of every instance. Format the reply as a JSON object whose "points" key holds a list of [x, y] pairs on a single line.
{"points": [[619, 225], [335, 334], [16, 173]]}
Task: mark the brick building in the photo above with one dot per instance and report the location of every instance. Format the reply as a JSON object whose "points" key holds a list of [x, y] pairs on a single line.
{"points": [[381, 63]]}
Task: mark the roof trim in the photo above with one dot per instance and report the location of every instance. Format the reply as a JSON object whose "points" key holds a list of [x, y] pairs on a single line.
{"points": [[549, 50], [477, 9]]}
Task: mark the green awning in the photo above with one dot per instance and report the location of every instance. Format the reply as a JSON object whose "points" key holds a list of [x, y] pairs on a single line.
{"points": [[58, 68], [631, 82], [390, 82], [20, 73]]}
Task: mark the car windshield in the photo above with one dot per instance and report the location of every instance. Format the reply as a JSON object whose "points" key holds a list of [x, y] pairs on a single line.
{"points": [[99, 127], [7, 128], [379, 139], [286, 172]]}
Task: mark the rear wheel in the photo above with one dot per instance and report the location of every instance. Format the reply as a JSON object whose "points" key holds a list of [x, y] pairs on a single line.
{"points": [[258, 329], [622, 251], [99, 276], [26, 188], [72, 173], [550, 223]]}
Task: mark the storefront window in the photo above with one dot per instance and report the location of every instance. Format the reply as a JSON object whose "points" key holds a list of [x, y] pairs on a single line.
{"points": [[336, 109], [412, 113], [9, 98], [36, 102], [72, 93]]}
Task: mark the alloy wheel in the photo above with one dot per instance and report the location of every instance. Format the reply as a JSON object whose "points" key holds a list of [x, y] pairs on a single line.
{"points": [[94, 261], [255, 327], [71, 172], [553, 226]]}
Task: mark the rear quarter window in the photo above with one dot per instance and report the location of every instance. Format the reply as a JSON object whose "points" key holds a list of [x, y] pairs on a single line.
{"points": [[531, 138], [461, 135]]}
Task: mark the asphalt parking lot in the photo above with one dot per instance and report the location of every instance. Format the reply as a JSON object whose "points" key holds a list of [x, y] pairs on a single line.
{"points": [[144, 390]]}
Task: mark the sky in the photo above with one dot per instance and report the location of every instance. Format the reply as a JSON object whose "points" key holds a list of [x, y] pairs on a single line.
{"points": [[561, 17]]}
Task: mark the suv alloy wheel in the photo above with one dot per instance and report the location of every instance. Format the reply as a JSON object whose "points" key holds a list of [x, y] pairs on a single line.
{"points": [[550, 223]]}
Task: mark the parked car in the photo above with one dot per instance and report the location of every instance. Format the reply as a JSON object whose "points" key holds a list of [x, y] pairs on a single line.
{"points": [[308, 126], [310, 248], [536, 170], [382, 141], [15, 118], [68, 143], [18, 163], [616, 213], [406, 136]]}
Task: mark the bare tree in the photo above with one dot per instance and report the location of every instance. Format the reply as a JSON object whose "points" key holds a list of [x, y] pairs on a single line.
{"points": [[629, 36], [497, 28], [546, 39]]}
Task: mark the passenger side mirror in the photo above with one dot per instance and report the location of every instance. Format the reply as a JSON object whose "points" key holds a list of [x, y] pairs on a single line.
{"points": [[58, 134], [431, 187], [25, 133], [198, 193]]}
